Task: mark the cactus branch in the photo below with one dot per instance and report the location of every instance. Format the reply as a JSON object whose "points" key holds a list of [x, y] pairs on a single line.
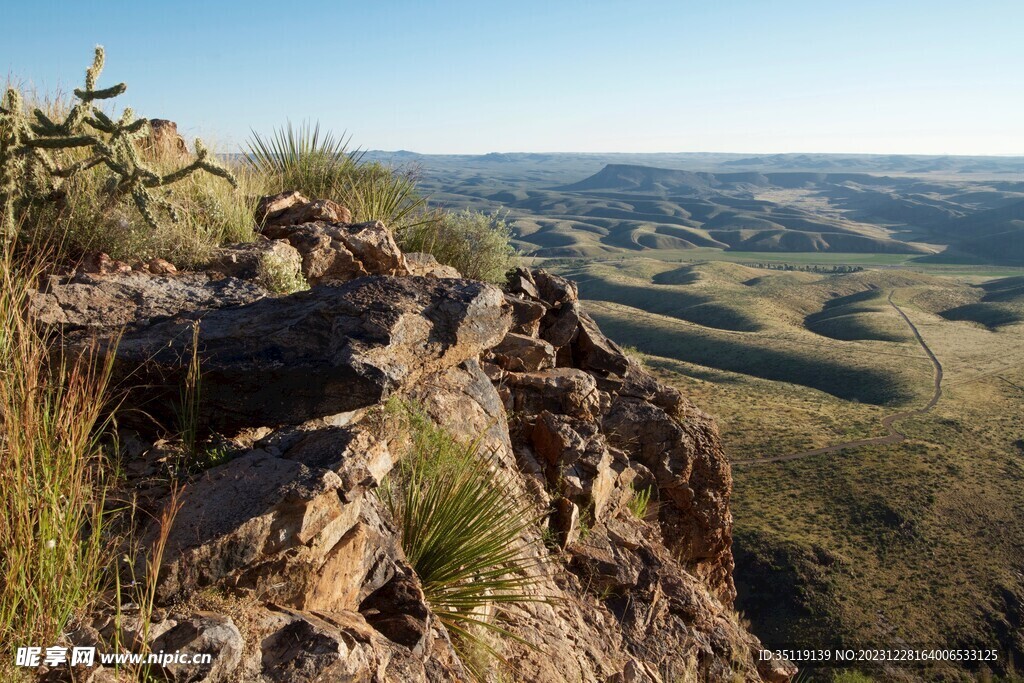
{"points": [[28, 172]]}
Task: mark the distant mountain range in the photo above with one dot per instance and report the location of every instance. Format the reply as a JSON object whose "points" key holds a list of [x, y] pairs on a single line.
{"points": [[581, 206], [721, 162]]}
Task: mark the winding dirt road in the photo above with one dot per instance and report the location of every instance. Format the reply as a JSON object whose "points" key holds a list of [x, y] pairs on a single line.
{"points": [[893, 435]]}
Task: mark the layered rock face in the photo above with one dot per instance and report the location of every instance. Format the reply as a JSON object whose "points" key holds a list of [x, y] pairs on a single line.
{"points": [[284, 563]]}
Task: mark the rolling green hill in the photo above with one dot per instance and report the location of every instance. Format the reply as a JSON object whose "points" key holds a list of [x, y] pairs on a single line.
{"points": [[957, 210]]}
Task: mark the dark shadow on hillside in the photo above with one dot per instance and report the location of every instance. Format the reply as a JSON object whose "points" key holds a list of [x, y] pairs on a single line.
{"points": [[695, 308], [752, 358]]}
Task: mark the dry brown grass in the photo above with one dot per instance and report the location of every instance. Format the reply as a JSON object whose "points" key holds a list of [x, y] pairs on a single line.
{"points": [[52, 484]]}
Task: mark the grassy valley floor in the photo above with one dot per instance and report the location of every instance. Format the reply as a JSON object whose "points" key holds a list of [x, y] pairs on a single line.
{"points": [[912, 544]]}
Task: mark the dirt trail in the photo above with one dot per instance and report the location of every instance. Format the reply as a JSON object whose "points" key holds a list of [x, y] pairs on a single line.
{"points": [[893, 435]]}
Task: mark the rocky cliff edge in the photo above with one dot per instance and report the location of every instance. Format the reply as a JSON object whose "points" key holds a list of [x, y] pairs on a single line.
{"points": [[283, 563]]}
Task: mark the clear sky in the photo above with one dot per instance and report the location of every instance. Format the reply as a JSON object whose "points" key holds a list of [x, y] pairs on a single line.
{"points": [[899, 76]]}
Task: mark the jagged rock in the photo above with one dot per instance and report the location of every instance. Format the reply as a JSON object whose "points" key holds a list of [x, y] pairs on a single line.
{"points": [[316, 353], [159, 266], [399, 611], [648, 421], [253, 260], [100, 263], [299, 646], [291, 208], [685, 458], [427, 266], [566, 521], [554, 289], [636, 672], [567, 391], [526, 315], [605, 564], [521, 282], [202, 633], [113, 301], [288, 520], [164, 138], [238, 516], [309, 648], [553, 439], [343, 252], [595, 352], [579, 462], [519, 353], [274, 205], [637, 383], [560, 326]]}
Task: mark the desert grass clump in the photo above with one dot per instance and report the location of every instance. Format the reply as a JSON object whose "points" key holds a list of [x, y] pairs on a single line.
{"points": [[640, 502], [52, 552], [462, 529], [476, 244], [375, 192]]}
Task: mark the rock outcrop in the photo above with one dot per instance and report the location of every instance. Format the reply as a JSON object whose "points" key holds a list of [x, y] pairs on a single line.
{"points": [[612, 411], [290, 532]]}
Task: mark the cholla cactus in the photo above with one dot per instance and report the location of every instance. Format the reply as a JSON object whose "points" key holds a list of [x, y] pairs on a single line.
{"points": [[14, 133], [29, 171]]}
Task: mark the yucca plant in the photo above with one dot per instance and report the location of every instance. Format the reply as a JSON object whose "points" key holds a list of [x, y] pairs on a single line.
{"points": [[462, 529], [378, 193], [321, 166], [304, 158]]}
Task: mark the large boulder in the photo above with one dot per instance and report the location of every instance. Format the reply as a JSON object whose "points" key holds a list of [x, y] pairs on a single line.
{"points": [[526, 314], [566, 391], [164, 139], [337, 253], [325, 351], [428, 266], [522, 353], [292, 208], [96, 301]]}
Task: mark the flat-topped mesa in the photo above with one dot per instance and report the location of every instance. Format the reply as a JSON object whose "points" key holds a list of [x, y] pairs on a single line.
{"points": [[291, 527]]}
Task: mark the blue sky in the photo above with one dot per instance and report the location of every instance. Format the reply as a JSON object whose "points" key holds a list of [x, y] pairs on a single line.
{"points": [[470, 77]]}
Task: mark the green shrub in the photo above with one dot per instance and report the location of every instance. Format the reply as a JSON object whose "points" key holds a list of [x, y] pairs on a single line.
{"points": [[474, 243], [281, 276], [461, 529]]}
